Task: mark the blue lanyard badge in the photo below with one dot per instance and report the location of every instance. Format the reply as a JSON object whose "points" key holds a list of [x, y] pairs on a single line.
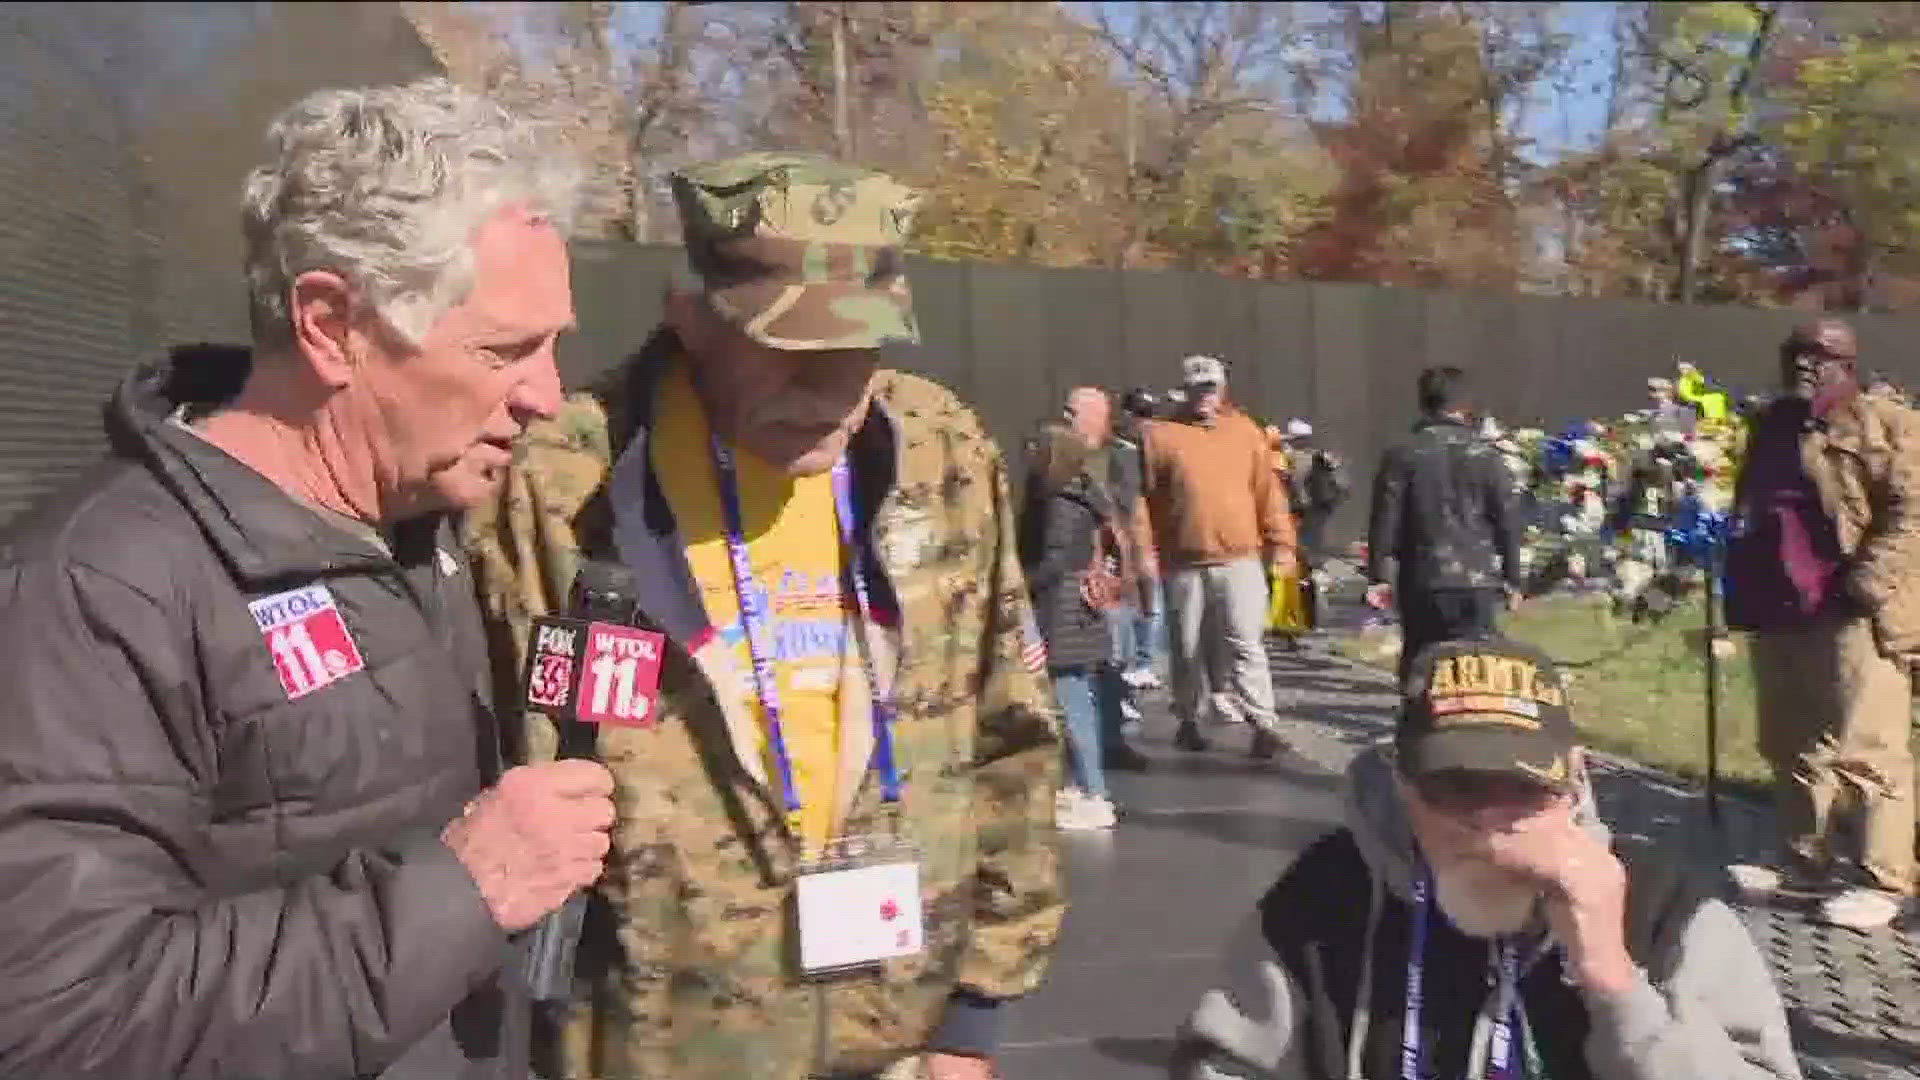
{"points": [[756, 623], [1502, 1062]]}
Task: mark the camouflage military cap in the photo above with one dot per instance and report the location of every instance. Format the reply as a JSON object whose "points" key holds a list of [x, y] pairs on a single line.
{"points": [[798, 251]]}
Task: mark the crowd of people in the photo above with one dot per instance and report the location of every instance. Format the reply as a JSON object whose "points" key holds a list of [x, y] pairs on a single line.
{"points": [[816, 692], [1178, 512], [1802, 501]]}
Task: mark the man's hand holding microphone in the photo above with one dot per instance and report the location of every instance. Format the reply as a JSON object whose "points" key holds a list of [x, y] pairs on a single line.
{"points": [[535, 838]]}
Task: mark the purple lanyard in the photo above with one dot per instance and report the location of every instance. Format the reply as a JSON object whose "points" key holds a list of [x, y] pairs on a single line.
{"points": [[1502, 1063], [756, 623]]}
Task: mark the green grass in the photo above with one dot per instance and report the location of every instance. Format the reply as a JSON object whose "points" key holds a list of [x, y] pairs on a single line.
{"points": [[1639, 691]]}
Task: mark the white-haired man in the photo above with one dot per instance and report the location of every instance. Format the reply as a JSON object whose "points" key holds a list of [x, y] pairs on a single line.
{"points": [[1216, 511], [1474, 919], [254, 822]]}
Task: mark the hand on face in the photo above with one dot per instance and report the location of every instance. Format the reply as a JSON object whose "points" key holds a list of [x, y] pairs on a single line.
{"points": [[1586, 890], [1549, 847]]}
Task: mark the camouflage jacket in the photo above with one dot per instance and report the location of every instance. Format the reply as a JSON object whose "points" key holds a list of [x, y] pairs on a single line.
{"points": [[1863, 458], [688, 969]]}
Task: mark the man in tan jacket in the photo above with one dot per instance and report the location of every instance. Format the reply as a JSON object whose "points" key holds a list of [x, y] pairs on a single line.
{"points": [[1217, 514], [1822, 569]]}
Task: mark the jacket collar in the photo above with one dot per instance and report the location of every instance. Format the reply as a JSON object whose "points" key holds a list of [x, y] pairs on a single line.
{"points": [[1844, 418], [264, 535]]}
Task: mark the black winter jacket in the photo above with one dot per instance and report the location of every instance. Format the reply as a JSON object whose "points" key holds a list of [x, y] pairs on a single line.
{"points": [[1057, 547], [1443, 513], [230, 735]]}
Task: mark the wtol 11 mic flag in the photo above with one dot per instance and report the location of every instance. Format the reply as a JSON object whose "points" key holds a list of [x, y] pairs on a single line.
{"points": [[589, 667]]}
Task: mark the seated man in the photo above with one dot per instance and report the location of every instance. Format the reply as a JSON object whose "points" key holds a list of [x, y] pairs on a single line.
{"points": [[1475, 908]]}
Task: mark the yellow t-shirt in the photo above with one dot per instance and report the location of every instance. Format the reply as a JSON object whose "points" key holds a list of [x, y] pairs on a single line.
{"points": [[793, 543]]}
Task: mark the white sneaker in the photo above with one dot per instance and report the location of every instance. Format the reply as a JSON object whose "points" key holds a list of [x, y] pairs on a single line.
{"points": [[1755, 882], [1065, 802], [1147, 680], [1076, 811], [1129, 711], [1861, 909], [1759, 882]]}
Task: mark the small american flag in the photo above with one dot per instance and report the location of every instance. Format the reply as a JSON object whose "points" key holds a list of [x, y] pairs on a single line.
{"points": [[1033, 648]]}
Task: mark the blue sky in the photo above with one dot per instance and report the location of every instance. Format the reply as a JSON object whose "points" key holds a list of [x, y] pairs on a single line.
{"points": [[1557, 122], [1573, 120]]}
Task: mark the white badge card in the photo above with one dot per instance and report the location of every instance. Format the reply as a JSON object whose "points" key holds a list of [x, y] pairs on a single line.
{"points": [[856, 913]]}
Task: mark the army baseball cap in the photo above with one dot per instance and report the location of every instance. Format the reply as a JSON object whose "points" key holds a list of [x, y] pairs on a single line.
{"points": [[1487, 706], [800, 252]]}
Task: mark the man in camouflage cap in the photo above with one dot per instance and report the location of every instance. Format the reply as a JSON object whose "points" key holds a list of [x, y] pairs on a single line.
{"points": [[801, 254], [721, 464]]}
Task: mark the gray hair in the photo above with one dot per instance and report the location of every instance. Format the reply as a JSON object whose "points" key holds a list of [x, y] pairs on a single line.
{"points": [[386, 186]]}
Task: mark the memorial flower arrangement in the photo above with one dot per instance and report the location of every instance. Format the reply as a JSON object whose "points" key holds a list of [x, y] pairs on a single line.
{"points": [[1619, 504]]}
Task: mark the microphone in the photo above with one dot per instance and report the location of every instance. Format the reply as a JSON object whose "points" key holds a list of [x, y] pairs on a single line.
{"points": [[597, 664]]}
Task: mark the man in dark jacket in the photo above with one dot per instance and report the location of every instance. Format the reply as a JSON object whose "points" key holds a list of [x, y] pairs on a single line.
{"points": [[1445, 539], [1475, 919], [246, 828]]}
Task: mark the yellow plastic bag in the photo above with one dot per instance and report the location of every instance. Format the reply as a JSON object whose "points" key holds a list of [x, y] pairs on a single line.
{"points": [[1287, 605]]}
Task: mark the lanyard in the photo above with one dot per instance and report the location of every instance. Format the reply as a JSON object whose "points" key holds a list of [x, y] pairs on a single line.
{"points": [[1502, 1063], [756, 622]]}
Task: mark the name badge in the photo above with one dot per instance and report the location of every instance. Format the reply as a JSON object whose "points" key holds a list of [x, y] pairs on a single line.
{"points": [[859, 905]]}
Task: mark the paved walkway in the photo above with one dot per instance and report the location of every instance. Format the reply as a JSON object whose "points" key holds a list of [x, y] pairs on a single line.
{"points": [[1203, 835]]}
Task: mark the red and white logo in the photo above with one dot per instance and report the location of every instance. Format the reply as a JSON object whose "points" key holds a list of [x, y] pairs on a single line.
{"points": [[308, 639], [620, 675]]}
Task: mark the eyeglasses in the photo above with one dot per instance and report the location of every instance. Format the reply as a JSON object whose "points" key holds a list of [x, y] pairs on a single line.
{"points": [[1461, 792]]}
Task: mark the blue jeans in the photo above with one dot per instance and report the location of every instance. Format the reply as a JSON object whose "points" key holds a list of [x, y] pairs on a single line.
{"points": [[1150, 630], [1123, 644], [1134, 634], [1090, 700]]}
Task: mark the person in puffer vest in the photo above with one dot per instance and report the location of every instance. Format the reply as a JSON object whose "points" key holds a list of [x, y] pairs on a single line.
{"points": [[1474, 919]]}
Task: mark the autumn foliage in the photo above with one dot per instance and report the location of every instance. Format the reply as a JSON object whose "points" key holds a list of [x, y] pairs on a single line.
{"points": [[1712, 151]]}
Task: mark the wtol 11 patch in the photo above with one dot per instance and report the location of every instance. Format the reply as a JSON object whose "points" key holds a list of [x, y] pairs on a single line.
{"points": [[307, 638]]}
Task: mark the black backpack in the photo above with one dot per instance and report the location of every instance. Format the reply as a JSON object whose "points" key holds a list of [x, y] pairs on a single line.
{"points": [[1327, 483]]}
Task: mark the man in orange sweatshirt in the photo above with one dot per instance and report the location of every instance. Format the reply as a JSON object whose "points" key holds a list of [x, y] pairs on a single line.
{"points": [[1218, 516]]}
